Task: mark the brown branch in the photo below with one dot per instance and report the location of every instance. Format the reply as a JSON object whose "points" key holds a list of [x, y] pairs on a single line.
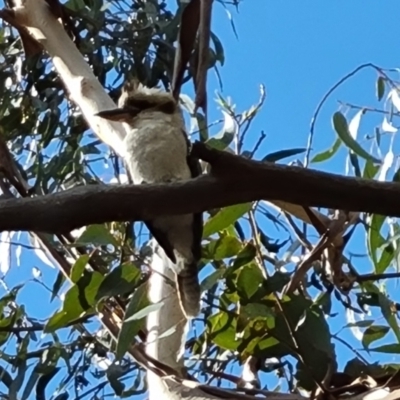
{"points": [[203, 55], [234, 180], [186, 38]]}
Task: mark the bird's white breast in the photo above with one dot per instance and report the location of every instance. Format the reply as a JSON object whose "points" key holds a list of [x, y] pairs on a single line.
{"points": [[156, 149]]}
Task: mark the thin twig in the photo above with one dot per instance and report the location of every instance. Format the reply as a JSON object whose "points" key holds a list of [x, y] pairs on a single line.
{"points": [[300, 236], [258, 144], [251, 116], [370, 109], [351, 348]]}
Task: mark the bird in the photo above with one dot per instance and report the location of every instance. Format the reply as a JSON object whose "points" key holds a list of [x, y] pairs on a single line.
{"points": [[157, 150]]}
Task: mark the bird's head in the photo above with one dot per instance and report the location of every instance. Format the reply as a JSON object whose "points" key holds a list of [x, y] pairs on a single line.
{"points": [[137, 98]]}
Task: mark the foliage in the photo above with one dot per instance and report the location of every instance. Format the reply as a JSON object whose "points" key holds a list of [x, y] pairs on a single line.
{"points": [[245, 272]]}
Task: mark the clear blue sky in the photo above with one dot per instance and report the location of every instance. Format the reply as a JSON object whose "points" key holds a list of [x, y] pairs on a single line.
{"points": [[298, 50]]}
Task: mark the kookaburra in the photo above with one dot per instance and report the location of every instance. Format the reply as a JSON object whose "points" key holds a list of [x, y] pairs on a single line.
{"points": [[157, 151]]}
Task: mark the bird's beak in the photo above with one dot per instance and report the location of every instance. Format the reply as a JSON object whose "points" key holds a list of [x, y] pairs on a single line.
{"points": [[117, 114]]}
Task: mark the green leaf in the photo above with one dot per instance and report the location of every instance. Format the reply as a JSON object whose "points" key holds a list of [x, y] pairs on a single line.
{"points": [[355, 164], [212, 279], [377, 244], [375, 239], [276, 282], [79, 267], [327, 154], [49, 360], [324, 300], [97, 235], [130, 329], [57, 285], [249, 279], [119, 281], [76, 5], [373, 333], [359, 324], [370, 170], [281, 154], [79, 299], [224, 138], [267, 343], [386, 308], [380, 87], [342, 129], [255, 310], [224, 218], [387, 348], [396, 176], [91, 286], [246, 255], [223, 330], [224, 247], [144, 312]]}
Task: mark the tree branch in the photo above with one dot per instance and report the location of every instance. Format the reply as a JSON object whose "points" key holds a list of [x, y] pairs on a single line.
{"points": [[233, 180], [36, 18]]}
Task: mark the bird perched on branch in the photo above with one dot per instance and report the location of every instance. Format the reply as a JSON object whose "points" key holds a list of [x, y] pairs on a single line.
{"points": [[158, 151]]}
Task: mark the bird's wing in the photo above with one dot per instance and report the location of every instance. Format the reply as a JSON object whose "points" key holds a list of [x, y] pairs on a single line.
{"points": [[159, 235], [162, 239]]}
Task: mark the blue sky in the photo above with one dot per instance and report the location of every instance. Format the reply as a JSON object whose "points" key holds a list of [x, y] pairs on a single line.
{"points": [[298, 50]]}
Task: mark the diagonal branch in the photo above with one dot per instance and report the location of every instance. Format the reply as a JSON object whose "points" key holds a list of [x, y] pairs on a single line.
{"points": [[233, 180], [37, 19]]}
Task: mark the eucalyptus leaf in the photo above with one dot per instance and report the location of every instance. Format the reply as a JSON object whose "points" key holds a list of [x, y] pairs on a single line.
{"points": [[342, 129], [380, 253], [130, 329], [392, 348], [380, 87], [96, 235], [223, 330], [212, 279], [219, 49], [224, 247], [78, 267], [373, 333], [225, 137], [386, 308], [281, 154], [327, 154], [78, 300], [119, 281], [224, 218], [144, 312]]}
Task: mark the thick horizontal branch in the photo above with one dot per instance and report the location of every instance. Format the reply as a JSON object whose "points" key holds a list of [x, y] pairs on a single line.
{"points": [[234, 180]]}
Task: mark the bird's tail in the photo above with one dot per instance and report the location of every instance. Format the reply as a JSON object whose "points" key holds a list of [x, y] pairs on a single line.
{"points": [[188, 288]]}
